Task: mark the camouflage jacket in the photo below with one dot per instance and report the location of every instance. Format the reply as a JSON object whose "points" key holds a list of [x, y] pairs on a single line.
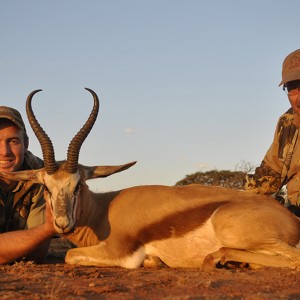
{"points": [[24, 206], [281, 164]]}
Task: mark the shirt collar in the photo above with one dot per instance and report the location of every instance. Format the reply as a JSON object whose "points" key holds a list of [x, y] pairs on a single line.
{"points": [[18, 186]]}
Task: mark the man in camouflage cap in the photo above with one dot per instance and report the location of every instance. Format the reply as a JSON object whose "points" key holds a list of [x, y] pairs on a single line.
{"points": [[25, 220], [281, 164]]}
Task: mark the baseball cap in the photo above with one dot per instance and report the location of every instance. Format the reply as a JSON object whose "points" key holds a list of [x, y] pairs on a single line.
{"points": [[291, 67], [12, 115]]}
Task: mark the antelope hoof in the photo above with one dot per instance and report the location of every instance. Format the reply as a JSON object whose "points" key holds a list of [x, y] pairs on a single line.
{"points": [[153, 262], [210, 262]]}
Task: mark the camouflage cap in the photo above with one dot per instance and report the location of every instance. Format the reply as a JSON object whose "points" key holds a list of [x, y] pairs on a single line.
{"points": [[291, 67], [12, 115]]}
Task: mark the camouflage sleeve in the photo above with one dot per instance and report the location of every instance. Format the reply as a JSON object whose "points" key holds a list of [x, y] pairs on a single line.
{"points": [[264, 181], [267, 177], [271, 175]]}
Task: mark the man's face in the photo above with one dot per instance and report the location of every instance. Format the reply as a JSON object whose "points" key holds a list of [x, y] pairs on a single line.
{"points": [[12, 146], [294, 95]]}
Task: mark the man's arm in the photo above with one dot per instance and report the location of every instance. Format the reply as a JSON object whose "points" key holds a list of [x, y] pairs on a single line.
{"points": [[264, 181], [267, 178], [31, 243]]}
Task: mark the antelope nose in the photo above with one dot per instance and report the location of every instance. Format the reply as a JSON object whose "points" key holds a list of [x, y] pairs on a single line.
{"points": [[62, 222]]}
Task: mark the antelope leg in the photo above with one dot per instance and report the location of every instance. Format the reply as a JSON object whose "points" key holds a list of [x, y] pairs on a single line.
{"points": [[223, 255]]}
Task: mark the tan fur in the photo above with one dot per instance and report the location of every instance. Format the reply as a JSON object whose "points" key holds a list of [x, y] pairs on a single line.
{"points": [[189, 226], [180, 226]]}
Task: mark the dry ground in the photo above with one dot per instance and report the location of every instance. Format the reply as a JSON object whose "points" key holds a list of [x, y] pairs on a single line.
{"points": [[57, 280]]}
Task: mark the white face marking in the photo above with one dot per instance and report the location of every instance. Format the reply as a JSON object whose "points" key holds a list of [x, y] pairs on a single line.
{"points": [[62, 196]]}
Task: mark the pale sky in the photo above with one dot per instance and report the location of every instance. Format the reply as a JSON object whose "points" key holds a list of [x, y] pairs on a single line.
{"points": [[184, 86]]}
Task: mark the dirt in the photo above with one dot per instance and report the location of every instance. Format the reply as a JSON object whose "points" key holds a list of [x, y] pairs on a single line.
{"points": [[57, 280]]}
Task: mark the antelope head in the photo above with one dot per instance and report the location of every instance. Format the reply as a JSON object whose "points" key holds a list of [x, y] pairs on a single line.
{"points": [[63, 181]]}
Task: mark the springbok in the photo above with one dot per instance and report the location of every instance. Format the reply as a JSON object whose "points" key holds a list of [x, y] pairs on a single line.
{"points": [[188, 226]]}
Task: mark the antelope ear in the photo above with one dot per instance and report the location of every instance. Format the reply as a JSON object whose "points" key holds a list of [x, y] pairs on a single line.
{"points": [[28, 175], [104, 171]]}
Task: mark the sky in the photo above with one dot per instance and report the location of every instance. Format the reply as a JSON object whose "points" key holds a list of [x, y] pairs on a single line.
{"points": [[184, 86]]}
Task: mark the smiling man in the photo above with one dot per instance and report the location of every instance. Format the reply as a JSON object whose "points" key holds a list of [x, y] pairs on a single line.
{"points": [[25, 219], [281, 164]]}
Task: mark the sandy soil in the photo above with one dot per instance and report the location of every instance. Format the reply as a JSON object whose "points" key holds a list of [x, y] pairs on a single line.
{"points": [[56, 280]]}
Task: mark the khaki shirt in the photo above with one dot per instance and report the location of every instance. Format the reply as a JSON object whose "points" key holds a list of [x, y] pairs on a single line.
{"points": [[281, 164], [23, 207]]}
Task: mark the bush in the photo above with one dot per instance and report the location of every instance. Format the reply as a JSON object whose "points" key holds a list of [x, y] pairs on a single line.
{"points": [[234, 180]]}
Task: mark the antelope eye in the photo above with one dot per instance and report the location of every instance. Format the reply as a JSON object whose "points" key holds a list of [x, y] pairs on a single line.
{"points": [[77, 188]]}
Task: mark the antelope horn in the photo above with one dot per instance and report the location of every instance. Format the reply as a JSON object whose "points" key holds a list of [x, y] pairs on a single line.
{"points": [[75, 144], [45, 142]]}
